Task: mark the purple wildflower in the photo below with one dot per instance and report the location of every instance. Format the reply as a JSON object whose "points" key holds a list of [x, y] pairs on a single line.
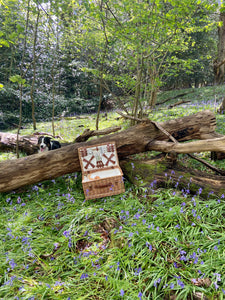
{"points": [[84, 276], [216, 285], [181, 284], [66, 233]]}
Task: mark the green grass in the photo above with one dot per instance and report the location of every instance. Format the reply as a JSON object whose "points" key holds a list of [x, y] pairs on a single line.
{"points": [[138, 245], [55, 245]]}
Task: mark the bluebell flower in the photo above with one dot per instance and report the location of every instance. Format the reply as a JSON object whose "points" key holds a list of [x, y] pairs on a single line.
{"points": [[137, 271], [216, 285], [181, 210], [172, 286], [122, 292], [157, 281], [196, 260], [84, 276], [66, 233], [12, 263], [181, 284]]}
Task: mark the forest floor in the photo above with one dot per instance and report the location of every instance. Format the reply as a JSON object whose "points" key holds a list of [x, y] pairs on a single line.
{"points": [[167, 244]]}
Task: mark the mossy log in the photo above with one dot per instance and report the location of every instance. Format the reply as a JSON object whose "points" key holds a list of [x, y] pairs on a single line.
{"points": [[164, 171], [48, 165]]}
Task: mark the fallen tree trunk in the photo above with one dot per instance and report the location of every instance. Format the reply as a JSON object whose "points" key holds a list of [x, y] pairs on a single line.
{"points": [[177, 96], [162, 172], [217, 144], [35, 168], [27, 144], [179, 103]]}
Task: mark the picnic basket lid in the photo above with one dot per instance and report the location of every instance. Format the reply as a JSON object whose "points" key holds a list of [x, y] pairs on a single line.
{"points": [[98, 157]]}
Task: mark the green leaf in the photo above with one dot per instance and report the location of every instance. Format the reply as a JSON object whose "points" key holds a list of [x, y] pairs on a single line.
{"points": [[17, 79], [4, 43]]}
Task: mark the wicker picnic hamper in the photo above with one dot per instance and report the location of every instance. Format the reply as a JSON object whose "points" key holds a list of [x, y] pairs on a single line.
{"points": [[101, 173]]}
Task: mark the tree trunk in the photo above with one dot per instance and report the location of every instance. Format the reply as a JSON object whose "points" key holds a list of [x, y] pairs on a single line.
{"points": [[39, 167], [217, 144], [219, 64], [103, 58], [26, 144], [162, 172], [34, 71], [137, 89], [221, 109]]}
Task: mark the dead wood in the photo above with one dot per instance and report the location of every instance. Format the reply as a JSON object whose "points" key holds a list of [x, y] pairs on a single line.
{"points": [[217, 155], [27, 144], [177, 96], [35, 168], [208, 165], [138, 120], [90, 133], [216, 144], [179, 103], [163, 172], [191, 148]]}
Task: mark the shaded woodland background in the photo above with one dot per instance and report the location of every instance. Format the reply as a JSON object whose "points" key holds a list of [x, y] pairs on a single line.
{"points": [[77, 57]]}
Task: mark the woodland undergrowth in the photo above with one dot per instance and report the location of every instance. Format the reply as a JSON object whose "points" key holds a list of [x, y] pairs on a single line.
{"points": [[146, 243]]}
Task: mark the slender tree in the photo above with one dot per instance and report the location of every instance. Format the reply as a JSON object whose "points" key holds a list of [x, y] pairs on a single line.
{"points": [[34, 64]]}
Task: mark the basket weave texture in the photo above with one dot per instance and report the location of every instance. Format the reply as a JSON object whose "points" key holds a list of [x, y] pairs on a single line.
{"points": [[101, 173]]}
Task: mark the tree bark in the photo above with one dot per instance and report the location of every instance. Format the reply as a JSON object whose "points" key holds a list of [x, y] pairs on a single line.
{"points": [[217, 144], [26, 144], [221, 108], [219, 64], [34, 63], [162, 172], [35, 168]]}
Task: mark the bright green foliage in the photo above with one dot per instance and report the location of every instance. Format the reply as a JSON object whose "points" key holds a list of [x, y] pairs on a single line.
{"points": [[17, 79], [151, 39], [129, 47]]}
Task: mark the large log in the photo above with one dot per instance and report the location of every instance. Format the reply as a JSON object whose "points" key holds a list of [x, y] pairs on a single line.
{"points": [[217, 145], [27, 144], [38, 167], [162, 172]]}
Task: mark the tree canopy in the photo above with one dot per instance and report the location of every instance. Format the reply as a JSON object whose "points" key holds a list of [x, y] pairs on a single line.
{"points": [[73, 55]]}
